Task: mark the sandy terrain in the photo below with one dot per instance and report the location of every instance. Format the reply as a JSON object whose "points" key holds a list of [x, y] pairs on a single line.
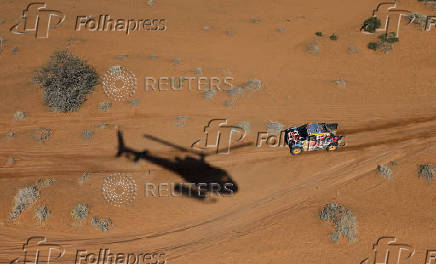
{"points": [[386, 111]]}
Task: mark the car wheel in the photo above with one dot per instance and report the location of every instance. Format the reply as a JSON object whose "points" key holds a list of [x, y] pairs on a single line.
{"points": [[332, 147], [296, 151]]}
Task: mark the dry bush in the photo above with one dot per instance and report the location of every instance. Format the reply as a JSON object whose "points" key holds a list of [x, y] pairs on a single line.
{"points": [[384, 171], [80, 212], [103, 224], [65, 79], [41, 213], [343, 219], [426, 172], [23, 199]]}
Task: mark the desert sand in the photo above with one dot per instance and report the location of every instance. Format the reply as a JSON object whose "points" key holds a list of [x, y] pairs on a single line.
{"points": [[385, 111]]}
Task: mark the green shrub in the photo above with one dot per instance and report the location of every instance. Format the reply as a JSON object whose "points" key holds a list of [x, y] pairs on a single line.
{"points": [[333, 37], [65, 79], [371, 24]]}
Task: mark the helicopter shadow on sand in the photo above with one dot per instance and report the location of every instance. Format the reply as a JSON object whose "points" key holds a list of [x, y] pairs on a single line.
{"points": [[203, 177]]}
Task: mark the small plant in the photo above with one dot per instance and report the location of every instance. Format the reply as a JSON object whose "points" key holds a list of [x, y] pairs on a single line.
{"points": [[104, 106], [385, 42], [19, 116], [426, 171], [274, 128], [66, 80], [41, 213], [384, 171], [333, 36], [371, 24], [389, 37], [103, 224], [176, 61], [84, 177], [42, 134], [23, 199], [313, 48], [319, 34], [80, 212], [343, 219], [87, 134]]}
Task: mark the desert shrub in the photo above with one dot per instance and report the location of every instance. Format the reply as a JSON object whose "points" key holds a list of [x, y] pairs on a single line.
{"points": [[385, 42], [343, 219], [274, 127], [313, 47], [384, 171], [319, 34], [84, 177], [104, 106], [426, 172], [41, 213], [103, 224], [65, 80], [23, 199], [87, 134], [41, 134], [333, 36], [389, 37], [19, 116], [80, 212], [371, 24]]}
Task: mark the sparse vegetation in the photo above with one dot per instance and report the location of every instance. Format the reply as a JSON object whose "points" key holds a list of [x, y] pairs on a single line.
{"points": [[426, 171], [333, 37], [103, 224], [80, 212], [198, 70], [385, 42], [104, 106], [343, 219], [66, 80], [353, 50], [41, 213], [341, 83], [87, 134], [23, 199], [41, 134], [319, 34], [371, 24], [19, 116], [384, 171], [313, 48], [84, 177], [176, 61], [40, 183], [274, 127], [209, 94]]}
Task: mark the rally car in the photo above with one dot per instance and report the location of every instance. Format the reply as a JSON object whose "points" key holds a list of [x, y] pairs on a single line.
{"points": [[313, 136]]}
